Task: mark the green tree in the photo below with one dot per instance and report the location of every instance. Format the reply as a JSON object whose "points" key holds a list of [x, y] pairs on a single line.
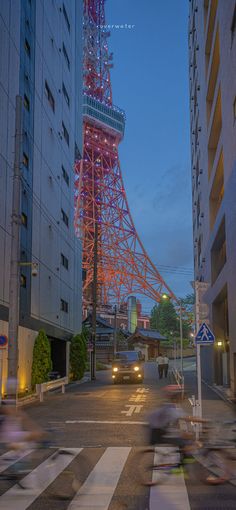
{"points": [[188, 313], [164, 318], [78, 354], [42, 363], [154, 319]]}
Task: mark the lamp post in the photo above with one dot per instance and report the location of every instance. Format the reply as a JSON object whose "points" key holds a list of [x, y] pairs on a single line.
{"points": [[179, 302]]}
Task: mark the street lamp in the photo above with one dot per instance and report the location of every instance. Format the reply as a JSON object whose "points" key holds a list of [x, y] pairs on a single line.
{"points": [[179, 302]]}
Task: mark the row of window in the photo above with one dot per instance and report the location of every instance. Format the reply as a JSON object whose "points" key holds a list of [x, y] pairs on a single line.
{"points": [[64, 51], [104, 118], [50, 97], [51, 101], [104, 109], [65, 175], [64, 304], [64, 263], [64, 217]]}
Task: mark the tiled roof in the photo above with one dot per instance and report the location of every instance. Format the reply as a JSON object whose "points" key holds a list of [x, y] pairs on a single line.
{"points": [[149, 333]]}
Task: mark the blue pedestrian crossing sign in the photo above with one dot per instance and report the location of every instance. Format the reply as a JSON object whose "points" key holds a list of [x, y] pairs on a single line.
{"points": [[204, 335]]}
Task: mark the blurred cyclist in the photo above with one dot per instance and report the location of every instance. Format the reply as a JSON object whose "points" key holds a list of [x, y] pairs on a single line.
{"points": [[167, 415], [16, 428]]}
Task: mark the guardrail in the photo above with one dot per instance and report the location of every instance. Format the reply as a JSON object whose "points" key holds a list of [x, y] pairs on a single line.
{"points": [[51, 385], [177, 377]]}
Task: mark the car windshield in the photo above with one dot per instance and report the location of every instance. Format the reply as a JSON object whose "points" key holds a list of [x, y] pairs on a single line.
{"points": [[127, 356]]}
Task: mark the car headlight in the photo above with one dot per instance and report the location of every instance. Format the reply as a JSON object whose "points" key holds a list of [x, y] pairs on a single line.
{"points": [[136, 369], [115, 369]]}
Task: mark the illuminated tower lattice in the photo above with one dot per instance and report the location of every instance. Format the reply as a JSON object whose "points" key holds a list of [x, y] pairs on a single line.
{"points": [[123, 265]]}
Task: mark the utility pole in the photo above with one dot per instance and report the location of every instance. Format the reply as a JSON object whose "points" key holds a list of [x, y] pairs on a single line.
{"points": [[115, 331], [94, 310], [14, 281]]}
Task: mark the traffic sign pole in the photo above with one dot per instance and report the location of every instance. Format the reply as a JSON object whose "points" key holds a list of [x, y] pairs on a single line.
{"points": [[204, 337], [199, 381]]}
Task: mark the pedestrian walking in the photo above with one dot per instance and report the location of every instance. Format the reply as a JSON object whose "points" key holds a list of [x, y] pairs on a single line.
{"points": [[166, 365], [160, 365]]}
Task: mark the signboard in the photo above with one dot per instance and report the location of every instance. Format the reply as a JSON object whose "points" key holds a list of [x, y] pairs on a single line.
{"points": [[204, 335], [3, 341]]}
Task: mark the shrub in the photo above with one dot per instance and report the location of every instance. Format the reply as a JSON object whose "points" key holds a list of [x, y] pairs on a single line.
{"points": [[42, 363], [78, 355]]}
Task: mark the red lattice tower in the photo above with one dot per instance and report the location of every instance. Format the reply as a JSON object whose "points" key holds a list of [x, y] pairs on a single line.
{"points": [[123, 265]]}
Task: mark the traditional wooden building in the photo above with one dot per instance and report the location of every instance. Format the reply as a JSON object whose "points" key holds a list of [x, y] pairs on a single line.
{"points": [[105, 334], [148, 341]]}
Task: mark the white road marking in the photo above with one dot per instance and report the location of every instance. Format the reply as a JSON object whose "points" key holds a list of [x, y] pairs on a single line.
{"points": [[132, 409], [142, 390], [11, 457], [138, 398], [171, 494], [37, 481], [108, 422], [97, 491]]}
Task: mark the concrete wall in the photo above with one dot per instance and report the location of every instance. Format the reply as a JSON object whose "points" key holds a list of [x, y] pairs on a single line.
{"points": [[26, 340], [45, 192], [203, 40]]}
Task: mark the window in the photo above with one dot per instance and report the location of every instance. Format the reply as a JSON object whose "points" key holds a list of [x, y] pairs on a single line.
{"points": [[26, 102], [218, 252], [23, 281], [66, 18], [65, 218], [27, 47], [64, 261], [66, 56], [65, 175], [49, 96], [65, 134], [25, 160], [66, 96], [64, 306], [233, 25], [24, 220]]}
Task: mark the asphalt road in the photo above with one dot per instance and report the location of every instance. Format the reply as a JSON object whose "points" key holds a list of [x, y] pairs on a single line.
{"points": [[107, 422]]}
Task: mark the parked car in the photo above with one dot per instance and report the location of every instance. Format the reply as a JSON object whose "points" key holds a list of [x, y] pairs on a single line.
{"points": [[127, 366]]}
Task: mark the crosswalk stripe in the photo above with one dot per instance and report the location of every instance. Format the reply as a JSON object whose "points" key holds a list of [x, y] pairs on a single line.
{"points": [[170, 495], [8, 459], [44, 475], [99, 487], [97, 491]]}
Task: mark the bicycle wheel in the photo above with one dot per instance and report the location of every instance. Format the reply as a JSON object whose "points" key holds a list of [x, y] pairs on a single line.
{"points": [[153, 466]]}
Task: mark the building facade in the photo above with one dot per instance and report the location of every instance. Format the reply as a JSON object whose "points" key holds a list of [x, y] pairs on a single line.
{"points": [[212, 74], [41, 60]]}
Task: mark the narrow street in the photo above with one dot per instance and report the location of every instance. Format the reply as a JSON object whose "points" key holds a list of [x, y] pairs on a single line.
{"points": [[105, 425]]}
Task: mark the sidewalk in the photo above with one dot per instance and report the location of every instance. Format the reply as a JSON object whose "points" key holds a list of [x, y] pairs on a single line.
{"points": [[213, 406]]}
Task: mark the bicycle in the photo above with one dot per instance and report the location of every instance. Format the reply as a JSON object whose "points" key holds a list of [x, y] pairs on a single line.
{"points": [[63, 470], [157, 462], [218, 453]]}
